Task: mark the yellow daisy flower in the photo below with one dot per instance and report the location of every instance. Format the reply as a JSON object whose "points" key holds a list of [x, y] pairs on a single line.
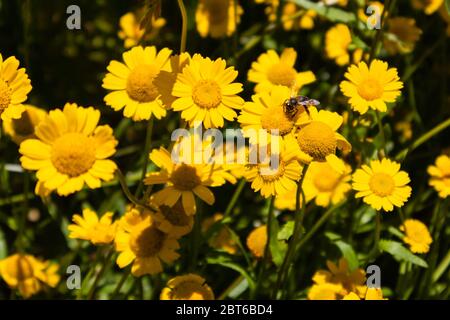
{"points": [[257, 241], [382, 185], [277, 180], [337, 41], [205, 92], [131, 32], [70, 150], [304, 21], [428, 6], [324, 291], [326, 185], [222, 240], [318, 139], [187, 287], [217, 18], [401, 36], [173, 220], [371, 87], [440, 176], [271, 70], [140, 242], [287, 200], [23, 128], [14, 88], [132, 83], [266, 112], [417, 236], [89, 227], [183, 180], [340, 274], [28, 274]]}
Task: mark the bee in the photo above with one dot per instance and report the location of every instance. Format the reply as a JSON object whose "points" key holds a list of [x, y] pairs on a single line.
{"points": [[293, 106]]}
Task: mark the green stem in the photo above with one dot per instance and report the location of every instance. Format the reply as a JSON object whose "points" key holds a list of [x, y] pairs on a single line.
{"points": [[120, 283], [266, 257], [298, 225], [130, 197], [105, 264], [234, 198], [148, 142], [183, 25], [375, 250], [225, 293], [196, 236], [381, 131]]}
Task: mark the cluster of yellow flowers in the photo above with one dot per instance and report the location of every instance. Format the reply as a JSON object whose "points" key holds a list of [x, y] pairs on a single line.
{"points": [[69, 150]]}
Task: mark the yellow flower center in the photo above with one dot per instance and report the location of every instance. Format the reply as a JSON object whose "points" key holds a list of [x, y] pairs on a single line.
{"points": [[175, 215], [147, 242], [382, 184], [370, 89], [326, 180], [5, 95], [140, 85], [275, 118], [185, 178], [189, 290], [207, 94], [318, 140], [268, 174], [282, 74], [23, 126], [73, 154], [217, 11]]}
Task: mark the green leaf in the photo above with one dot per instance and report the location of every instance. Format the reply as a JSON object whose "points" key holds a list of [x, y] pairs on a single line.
{"points": [[332, 14], [226, 262], [400, 253], [286, 231], [277, 248], [348, 253], [447, 6], [3, 246]]}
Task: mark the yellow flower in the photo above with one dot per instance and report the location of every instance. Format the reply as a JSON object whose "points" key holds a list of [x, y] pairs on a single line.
{"points": [[382, 184], [341, 275], [133, 85], [222, 240], [304, 21], [401, 36], [417, 236], [371, 294], [271, 70], [440, 176], [23, 128], [14, 88], [266, 112], [324, 291], [205, 92], [276, 180], [183, 180], [325, 185], [187, 287], [318, 139], [28, 274], [428, 6], [257, 241], [89, 227], [371, 87], [131, 31], [70, 150], [217, 18], [140, 242], [337, 41], [287, 200], [173, 220]]}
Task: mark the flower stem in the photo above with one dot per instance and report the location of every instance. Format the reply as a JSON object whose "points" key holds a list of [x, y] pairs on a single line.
{"points": [[120, 283], [374, 252], [105, 264], [148, 142], [381, 131], [183, 26], [130, 197], [234, 198], [298, 225]]}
